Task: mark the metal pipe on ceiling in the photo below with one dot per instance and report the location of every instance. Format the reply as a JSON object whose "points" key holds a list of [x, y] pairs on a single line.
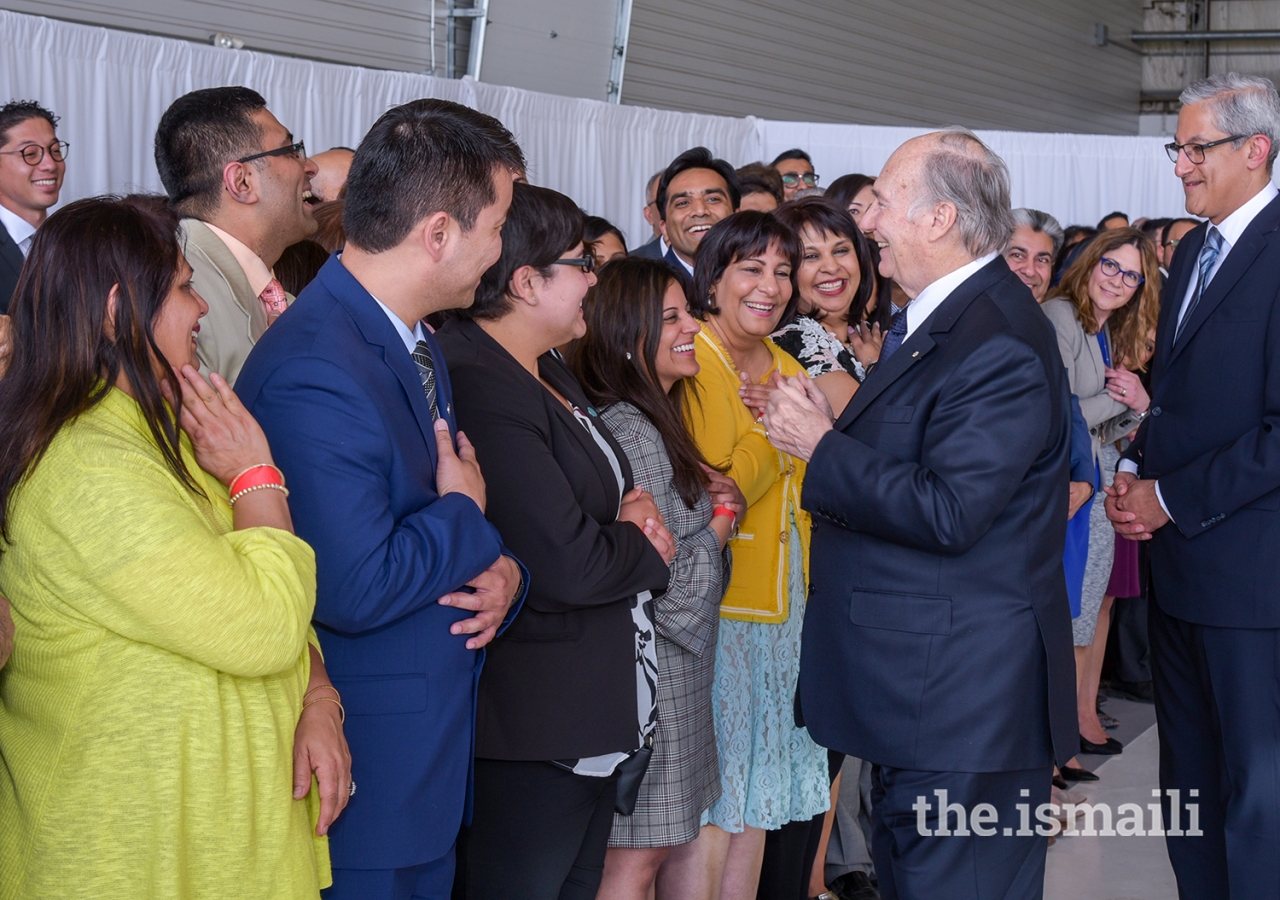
{"points": [[1139, 37]]}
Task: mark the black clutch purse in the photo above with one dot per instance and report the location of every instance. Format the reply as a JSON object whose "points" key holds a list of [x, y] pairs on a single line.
{"points": [[630, 773]]}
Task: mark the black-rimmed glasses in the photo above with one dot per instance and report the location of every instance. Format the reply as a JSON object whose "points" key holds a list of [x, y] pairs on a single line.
{"points": [[1111, 269], [297, 151], [33, 154], [1195, 152], [791, 179], [586, 263]]}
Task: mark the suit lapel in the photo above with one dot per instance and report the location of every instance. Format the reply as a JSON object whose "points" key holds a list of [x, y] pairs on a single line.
{"points": [[212, 246]]}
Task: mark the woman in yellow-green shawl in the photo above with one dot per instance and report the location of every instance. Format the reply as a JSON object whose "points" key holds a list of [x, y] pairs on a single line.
{"points": [[165, 708]]}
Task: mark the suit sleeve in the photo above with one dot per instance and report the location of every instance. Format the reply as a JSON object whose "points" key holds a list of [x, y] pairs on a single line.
{"points": [[986, 429], [573, 560], [1081, 447], [372, 569]]}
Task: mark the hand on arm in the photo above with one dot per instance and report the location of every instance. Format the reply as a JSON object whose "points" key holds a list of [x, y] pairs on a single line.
{"points": [[457, 473], [724, 492], [798, 416], [1125, 387], [639, 509], [320, 746], [491, 595]]}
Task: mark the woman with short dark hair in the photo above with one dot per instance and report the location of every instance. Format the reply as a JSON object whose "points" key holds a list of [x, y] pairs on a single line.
{"points": [[567, 704]]}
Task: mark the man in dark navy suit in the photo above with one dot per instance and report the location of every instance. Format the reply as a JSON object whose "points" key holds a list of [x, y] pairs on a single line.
{"points": [[412, 581], [937, 636], [695, 192], [32, 166], [1202, 483]]}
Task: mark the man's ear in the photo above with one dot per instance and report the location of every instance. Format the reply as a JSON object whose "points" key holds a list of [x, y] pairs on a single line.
{"points": [[437, 234], [943, 218], [240, 182], [662, 226], [1259, 149]]}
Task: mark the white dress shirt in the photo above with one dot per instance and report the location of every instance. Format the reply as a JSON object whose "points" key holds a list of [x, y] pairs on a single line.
{"points": [[919, 309], [19, 229], [410, 338], [1231, 228]]}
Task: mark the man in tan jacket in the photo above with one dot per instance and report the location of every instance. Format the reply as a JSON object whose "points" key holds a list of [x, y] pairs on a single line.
{"points": [[242, 185]]}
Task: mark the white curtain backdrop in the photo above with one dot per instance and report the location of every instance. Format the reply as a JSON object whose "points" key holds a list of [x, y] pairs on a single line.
{"points": [[110, 88]]}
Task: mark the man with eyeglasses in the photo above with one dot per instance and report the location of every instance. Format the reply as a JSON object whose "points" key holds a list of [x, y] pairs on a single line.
{"points": [[32, 165], [796, 169], [1201, 481], [1170, 237], [243, 186]]}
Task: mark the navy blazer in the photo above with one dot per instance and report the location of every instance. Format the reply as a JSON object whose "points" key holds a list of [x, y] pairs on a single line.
{"points": [[1212, 438], [11, 261], [937, 635], [342, 404]]}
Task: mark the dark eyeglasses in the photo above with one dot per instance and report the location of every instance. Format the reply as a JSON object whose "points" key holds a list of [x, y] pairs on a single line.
{"points": [[1195, 152], [791, 179], [1111, 269], [33, 154], [586, 263], [297, 151]]}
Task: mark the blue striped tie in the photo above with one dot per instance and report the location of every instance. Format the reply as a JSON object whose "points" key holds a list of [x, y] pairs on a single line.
{"points": [[1208, 256]]}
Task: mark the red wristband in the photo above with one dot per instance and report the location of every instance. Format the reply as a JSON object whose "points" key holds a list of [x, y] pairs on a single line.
{"points": [[725, 511], [255, 477]]}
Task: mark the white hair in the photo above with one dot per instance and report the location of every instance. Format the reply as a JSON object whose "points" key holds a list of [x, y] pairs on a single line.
{"points": [[961, 170], [1240, 104]]}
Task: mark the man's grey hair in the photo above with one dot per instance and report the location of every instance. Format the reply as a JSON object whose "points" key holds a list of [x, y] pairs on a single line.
{"points": [[1041, 222], [1240, 104], [961, 170]]}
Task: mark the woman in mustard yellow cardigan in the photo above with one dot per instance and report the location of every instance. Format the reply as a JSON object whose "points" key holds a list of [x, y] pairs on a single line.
{"points": [[771, 772], [164, 708]]}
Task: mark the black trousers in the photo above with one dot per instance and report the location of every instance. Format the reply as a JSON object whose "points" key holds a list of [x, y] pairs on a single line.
{"points": [[1218, 709], [916, 860], [790, 851], [538, 832]]}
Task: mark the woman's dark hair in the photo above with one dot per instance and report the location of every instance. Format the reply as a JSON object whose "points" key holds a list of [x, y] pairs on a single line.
{"points": [[825, 217], [842, 191], [542, 225], [299, 265], [739, 236], [596, 227], [617, 358], [66, 353]]}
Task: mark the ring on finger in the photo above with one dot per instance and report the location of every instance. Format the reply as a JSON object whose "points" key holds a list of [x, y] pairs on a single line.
{"points": [[351, 789]]}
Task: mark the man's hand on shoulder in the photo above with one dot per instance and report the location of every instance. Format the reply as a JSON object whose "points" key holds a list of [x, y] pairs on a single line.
{"points": [[457, 473], [495, 590]]}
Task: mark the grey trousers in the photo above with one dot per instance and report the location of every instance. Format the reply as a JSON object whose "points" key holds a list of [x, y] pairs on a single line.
{"points": [[850, 846]]}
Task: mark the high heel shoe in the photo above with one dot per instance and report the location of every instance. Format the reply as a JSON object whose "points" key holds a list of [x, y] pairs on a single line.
{"points": [[1074, 773], [1110, 748]]}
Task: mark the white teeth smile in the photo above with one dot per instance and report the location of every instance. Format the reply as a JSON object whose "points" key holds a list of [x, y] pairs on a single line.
{"points": [[683, 348], [882, 244], [46, 182], [759, 307], [307, 195], [831, 287], [698, 229]]}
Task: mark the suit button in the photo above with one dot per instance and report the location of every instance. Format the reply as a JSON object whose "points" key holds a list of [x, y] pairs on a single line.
{"points": [[784, 538], [1155, 410]]}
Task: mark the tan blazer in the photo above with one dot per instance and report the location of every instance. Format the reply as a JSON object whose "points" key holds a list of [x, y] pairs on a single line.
{"points": [[236, 318], [1108, 420]]}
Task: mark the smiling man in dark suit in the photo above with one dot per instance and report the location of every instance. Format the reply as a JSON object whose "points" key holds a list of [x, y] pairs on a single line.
{"points": [[1202, 483], [32, 166], [937, 638]]}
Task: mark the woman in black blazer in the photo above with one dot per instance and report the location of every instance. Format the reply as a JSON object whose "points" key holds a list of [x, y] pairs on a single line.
{"points": [[568, 692]]}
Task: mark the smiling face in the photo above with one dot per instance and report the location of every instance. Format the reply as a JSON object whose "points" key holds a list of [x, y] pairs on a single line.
{"points": [[1228, 177], [29, 191], [675, 358], [177, 323], [284, 183], [696, 200], [1108, 293], [474, 251], [829, 274], [1030, 256], [793, 172], [752, 295], [903, 240], [860, 203], [559, 306]]}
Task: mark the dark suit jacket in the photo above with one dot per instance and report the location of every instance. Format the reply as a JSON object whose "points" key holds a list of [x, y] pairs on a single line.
{"points": [[937, 634], [651, 250], [1212, 438], [10, 268], [561, 683], [341, 402]]}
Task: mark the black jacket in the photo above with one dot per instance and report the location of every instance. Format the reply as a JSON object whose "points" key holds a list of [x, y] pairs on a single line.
{"points": [[10, 267], [561, 681]]}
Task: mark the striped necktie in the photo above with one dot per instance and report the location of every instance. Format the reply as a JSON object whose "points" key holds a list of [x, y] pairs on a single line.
{"points": [[427, 372], [1208, 256]]}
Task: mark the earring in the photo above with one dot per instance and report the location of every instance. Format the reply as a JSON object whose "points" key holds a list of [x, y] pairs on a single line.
{"points": [[628, 354]]}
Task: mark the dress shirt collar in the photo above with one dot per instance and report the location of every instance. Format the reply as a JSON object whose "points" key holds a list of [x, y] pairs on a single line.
{"points": [[919, 309], [410, 338], [255, 270], [1233, 226], [19, 229]]}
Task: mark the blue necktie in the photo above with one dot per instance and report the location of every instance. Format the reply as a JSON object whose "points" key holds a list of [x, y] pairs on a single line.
{"points": [[1208, 256], [427, 372], [897, 334]]}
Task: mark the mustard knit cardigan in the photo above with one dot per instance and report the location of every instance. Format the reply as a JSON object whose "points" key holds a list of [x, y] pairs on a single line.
{"points": [[147, 713], [728, 435]]}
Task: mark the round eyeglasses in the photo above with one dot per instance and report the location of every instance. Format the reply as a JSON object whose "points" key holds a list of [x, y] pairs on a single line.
{"points": [[33, 154], [1111, 269]]}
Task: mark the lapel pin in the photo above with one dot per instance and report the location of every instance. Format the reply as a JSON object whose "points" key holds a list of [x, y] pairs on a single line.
{"points": [[914, 355]]}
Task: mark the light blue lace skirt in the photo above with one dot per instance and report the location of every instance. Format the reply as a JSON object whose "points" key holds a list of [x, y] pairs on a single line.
{"points": [[771, 772]]}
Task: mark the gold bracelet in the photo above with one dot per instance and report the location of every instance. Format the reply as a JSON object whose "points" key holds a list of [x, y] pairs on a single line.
{"points": [[322, 687], [341, 708], [249, 490]]}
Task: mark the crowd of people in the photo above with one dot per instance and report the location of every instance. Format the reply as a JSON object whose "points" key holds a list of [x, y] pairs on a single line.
{"points": [[685, 570]]}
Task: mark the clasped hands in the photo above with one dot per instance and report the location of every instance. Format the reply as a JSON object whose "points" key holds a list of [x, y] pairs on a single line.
{"points": [[1133, 507], [794, 412]]}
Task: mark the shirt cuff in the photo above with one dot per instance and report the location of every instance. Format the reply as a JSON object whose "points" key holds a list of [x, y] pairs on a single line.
{"points": [[1160, 497], [1127, 465]]}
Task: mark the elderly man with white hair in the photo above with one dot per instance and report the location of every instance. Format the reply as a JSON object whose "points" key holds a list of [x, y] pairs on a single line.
{"points": [[937, 637]]}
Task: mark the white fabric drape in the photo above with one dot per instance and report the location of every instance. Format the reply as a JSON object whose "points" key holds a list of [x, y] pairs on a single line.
{"points": [[110, 88]]}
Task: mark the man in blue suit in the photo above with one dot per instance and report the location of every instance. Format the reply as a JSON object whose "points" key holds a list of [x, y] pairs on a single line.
{"points": [[1202, 482], [412, 581], [937, 637]]}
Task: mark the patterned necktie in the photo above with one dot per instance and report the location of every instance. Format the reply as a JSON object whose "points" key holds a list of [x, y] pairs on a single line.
{"points": [[427, 372], [1208, 256], [274, 300], [897, 334]]}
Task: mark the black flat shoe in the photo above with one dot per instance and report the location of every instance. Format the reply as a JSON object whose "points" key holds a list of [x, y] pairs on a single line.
{"points": [[1110, 748], [1073, 773], [854, 886]]}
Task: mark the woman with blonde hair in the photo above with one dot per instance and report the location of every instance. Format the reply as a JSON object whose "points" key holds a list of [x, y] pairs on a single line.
{"points": [[1103, 312]]}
